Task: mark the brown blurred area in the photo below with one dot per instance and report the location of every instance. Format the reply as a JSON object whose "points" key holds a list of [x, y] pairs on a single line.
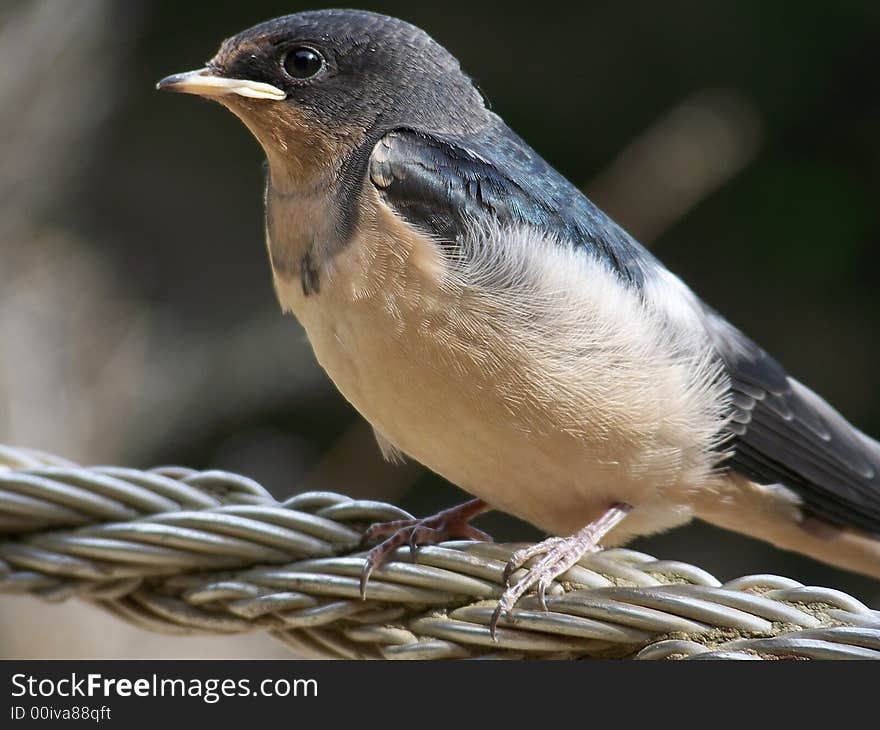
{"points": [[137, 319]]}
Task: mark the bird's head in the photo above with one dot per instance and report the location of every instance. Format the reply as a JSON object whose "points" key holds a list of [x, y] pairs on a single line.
{"points": [[313, 86]]}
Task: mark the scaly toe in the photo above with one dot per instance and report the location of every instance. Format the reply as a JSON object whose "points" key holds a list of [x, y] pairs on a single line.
{"points": [[421, 535], [370, 563], [543, 584], [519, 558], [493, 622], [380, 554], [384, 529]]}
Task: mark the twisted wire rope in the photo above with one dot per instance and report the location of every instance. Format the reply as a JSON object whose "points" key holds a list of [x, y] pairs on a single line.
{"points": [[180, 551]]}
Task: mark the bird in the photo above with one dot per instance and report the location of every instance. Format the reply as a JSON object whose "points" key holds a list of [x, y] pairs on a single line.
{"points": [[493, 324]]}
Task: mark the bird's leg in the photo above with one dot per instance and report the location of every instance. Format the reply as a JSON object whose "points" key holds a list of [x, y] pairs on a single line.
{"points": [[559, 554], [447, 524]]}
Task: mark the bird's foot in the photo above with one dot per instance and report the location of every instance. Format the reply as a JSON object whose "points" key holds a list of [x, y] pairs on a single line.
{"points": [[448, 524], [557, 554]]}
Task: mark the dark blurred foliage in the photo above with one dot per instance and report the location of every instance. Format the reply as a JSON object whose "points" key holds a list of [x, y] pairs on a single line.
{"points": [[788, 247]]}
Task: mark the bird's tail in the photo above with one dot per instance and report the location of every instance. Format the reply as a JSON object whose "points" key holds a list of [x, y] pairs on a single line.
{"points": [[773, 514]]}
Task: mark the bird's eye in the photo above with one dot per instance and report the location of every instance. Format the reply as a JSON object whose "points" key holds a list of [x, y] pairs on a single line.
{"points": [[302, 63]]}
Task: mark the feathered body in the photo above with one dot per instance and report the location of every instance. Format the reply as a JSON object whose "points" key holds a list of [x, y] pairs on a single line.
{"points": [[493, 324]]}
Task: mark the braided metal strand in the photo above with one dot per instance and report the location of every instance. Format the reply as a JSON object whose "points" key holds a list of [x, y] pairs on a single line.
{"points": [[180, 551]]}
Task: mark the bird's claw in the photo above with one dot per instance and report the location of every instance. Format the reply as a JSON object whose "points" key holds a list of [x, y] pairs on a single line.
{"points": [[519, 558], [557, 555], [543, 573], [449, 524]]}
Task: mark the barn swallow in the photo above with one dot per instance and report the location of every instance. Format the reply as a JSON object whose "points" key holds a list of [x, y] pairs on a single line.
{"points": [[492, 323]]}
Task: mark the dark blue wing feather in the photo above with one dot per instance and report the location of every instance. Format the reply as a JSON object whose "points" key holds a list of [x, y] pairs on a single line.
{"points": [[783, 433], [440, 183]]}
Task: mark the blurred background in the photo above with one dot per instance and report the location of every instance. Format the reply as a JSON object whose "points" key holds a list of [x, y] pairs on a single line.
{"points": [[741, 141]]}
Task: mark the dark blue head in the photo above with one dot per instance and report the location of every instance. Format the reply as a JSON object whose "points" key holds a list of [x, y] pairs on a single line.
{"points": [[335, 75]]}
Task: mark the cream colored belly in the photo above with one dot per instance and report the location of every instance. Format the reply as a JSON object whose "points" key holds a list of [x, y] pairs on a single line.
{"points": [[453, 424]]}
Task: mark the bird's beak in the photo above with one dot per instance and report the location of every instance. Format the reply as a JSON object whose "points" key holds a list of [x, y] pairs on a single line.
{"points": [[207, 82]]}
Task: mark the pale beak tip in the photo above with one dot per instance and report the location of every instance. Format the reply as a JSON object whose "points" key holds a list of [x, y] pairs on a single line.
{"points": [[177, 82], [165, 83]]}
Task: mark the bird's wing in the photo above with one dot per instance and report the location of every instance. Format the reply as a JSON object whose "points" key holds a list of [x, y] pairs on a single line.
{"points": [[442, 185], [783, 433]]}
